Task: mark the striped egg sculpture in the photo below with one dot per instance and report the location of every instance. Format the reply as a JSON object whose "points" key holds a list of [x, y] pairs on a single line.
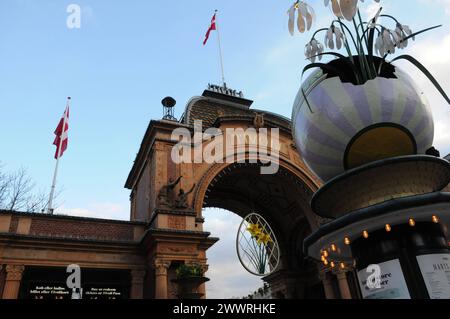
{"points": [[340, 126]]}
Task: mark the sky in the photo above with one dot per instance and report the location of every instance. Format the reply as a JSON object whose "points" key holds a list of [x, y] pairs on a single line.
{"points": [[128, 55]]}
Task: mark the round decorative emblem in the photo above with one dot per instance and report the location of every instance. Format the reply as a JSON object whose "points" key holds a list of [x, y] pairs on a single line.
{"points": [[257, 246]]}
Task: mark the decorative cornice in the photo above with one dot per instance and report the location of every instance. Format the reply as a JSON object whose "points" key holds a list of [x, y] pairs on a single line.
{"points": [[59, 239], [70, 218]]}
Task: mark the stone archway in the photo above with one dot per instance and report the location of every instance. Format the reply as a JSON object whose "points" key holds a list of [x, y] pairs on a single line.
{"points": [[283, 200], [176, 232]]}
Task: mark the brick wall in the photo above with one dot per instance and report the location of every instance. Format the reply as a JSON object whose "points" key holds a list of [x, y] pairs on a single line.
{"points": [[81, 229]]}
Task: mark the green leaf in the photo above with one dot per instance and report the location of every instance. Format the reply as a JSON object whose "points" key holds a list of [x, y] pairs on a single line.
{"points": [[424, 71], [323, 66], [422, 31], [330, 53], [342, 57], [306, 100], [332, 69], [371, 42]]}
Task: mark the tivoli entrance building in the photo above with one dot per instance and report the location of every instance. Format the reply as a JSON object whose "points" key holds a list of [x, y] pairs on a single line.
{"points": [[138, 259]]}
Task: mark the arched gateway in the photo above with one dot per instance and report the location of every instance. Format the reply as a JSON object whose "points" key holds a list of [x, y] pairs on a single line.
{"points": [[139, 258], [233, 182]]}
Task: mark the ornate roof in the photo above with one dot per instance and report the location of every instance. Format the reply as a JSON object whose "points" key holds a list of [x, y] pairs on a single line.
{"points": [[213, 105]]}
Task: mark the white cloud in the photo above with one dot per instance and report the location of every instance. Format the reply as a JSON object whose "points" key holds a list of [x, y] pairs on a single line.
{"points": [[228, 277], [444, 3], [371, 10], [431, 52]]}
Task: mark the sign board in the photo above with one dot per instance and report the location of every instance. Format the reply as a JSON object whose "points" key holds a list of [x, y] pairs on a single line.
{"points": [[392, 284], [57, 291], [42, 291], [435, 271]]}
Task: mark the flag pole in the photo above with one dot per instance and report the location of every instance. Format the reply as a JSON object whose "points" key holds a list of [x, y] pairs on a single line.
{"points": [[220, 51], [50, 208]]}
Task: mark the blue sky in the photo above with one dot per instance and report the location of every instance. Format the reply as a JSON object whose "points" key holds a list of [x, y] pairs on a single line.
{"points": [[128, 55]]}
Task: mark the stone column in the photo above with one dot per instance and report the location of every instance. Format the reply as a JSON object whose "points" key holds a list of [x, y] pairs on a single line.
{"points": [[327, 284], [13, 279], [202, 287], [343, 284], [161, 268], [137, 284]]}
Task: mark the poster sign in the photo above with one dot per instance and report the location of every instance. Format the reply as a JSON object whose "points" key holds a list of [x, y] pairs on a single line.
{"points": [[55, 291], [49, 292], [103, 293], [392, 284], [435, 270]]}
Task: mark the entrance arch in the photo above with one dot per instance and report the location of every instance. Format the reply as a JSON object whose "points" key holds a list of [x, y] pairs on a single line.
{"points": [[283, 200], [305, 186], [171, 196]]}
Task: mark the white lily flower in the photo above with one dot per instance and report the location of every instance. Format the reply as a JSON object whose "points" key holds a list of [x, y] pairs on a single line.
{"points": [[402, 32], [305, 17], [386, 42], [312, 49], [334, 34], [344, 8], [379, 45]]}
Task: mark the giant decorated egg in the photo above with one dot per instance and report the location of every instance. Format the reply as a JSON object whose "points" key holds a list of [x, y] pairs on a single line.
{"points": [[339, 126]]}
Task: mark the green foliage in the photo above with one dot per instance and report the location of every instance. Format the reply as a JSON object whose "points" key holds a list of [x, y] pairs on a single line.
{"points": [[189, 271]]}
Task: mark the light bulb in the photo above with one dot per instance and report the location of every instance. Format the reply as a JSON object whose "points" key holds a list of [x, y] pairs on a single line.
{"points": [[388, 228], [347, 241], [365, 234], [435, 219], [412, 222]]}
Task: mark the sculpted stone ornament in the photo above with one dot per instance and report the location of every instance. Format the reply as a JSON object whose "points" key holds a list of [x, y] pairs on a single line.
{"points": [[166, 195], [181, 201], [161, 267], [258, 122]]}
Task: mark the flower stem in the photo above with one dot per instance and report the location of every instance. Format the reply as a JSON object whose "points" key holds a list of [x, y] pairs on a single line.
{"points": [[371, 65], [320, 30], [361, 24], [362, 55], [347, 45]]}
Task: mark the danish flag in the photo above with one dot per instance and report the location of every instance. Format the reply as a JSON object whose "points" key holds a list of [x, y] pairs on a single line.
{"points": [[61, 132], [212, 27]]}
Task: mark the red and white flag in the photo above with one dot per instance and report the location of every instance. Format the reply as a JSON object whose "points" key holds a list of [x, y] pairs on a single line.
{"points": [[212, 27], [62, 138]]}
